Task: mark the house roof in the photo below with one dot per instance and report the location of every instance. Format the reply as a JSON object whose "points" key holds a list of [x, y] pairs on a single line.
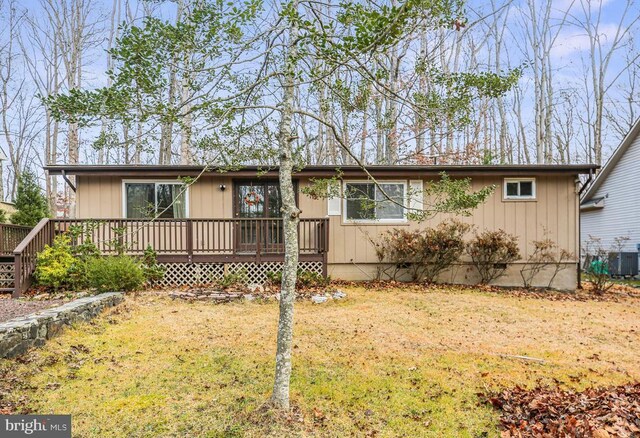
{"points": [[626, 142], [322, 170]]}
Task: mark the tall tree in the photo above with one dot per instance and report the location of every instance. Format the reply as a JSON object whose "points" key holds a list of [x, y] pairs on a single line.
{"points": [[602, 48], [246, 79], [31, 204]]}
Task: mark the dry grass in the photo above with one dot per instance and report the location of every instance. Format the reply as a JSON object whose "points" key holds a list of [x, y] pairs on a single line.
{"points": [[385, 363]]}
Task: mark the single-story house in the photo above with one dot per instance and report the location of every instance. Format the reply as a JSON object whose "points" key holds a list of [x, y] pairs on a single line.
{"points": [[227, 221], [609, 207]]}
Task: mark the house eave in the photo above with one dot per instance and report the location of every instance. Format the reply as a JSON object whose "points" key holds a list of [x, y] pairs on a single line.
{"points": [[320, 170]]}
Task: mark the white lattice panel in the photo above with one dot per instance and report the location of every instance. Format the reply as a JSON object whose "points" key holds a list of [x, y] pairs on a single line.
{"points": [[192, 274], [6, 275]]}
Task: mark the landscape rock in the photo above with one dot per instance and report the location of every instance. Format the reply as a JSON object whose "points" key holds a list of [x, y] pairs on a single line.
{"points": [[19, 334], [338, 295], [319, 299], [256, 288]]}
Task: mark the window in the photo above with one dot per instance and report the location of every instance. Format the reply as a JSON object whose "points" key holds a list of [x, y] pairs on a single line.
{"points": [[523, 188], [151, 199], [366, 202]]}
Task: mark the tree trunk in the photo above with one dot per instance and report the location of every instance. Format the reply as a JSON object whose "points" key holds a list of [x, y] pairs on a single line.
{"points": [[290, 218]]}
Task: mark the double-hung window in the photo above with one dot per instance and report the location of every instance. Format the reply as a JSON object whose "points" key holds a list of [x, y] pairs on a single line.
{"points": [[364, 201], [155, 199], [519, 188]]}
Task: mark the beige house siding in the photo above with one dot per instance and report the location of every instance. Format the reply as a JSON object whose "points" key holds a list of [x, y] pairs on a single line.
{"points": [[351, 253], [554, 209]]}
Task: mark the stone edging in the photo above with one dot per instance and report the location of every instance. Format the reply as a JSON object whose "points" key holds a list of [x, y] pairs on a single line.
{"points": [[20, 334]]}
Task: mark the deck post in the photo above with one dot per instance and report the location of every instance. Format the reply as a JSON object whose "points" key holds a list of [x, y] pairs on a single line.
{"points": [[258, 239], [190, 240], [17, 277], [325, 249]]}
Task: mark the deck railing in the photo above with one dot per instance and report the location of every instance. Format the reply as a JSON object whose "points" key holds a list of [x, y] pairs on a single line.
{"points": [[10, 236], [26, 253], [177, 240]]}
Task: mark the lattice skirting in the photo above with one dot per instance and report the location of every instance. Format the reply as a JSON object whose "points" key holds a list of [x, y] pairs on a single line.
{"points": [[192, 274], [6, 275]]}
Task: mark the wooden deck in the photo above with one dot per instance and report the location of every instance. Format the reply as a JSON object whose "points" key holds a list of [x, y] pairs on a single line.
{"points": [[188, 241]]}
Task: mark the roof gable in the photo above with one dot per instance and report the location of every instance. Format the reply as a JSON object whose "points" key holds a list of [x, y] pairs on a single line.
{"points": [[617, 155]]}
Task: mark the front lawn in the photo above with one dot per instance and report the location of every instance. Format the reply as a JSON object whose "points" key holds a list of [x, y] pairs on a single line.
{"points": [[380, 363]]}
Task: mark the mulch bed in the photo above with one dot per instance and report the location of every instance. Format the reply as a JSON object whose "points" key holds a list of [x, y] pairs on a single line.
{"points": [[553, 412], [616, 294], [11, 308]]}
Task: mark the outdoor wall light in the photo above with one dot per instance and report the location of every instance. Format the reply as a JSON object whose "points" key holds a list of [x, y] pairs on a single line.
{"points": [[222, 187]]}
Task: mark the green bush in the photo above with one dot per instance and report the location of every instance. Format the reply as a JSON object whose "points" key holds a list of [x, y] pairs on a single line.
{"points": [[311, 279], [233, 279], [152, 271], [55, 264], [306, 279], [118, 273]]}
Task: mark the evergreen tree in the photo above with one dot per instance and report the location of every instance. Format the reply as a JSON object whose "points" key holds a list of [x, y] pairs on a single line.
{"points": [[31, 203]]}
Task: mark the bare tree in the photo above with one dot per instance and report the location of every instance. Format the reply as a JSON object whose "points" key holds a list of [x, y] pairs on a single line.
{"points": [[18, 106], [602, 48]]}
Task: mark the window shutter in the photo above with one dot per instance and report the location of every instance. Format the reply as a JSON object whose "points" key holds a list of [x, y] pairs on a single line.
{"points": [[333, 206], [416, 195]]}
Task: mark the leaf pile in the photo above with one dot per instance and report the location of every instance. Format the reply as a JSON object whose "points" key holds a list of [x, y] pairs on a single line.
{"points": [[553, 412], [616, 294]]}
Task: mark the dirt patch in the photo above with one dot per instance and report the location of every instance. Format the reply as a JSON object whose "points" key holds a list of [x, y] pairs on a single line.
{"points": [[12, 308], [595, 412]]}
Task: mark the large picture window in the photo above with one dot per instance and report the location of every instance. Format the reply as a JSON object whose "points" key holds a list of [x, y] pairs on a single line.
{"points": [[151, 199], [366, 202]]}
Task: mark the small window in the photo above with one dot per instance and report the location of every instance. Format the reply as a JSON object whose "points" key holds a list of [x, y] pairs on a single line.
{"points": [[366, 202], [524, 188], [151, 199]]}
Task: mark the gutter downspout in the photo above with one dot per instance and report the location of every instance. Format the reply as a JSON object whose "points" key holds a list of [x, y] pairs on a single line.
{"points": [[579, 255], [68, 181]]}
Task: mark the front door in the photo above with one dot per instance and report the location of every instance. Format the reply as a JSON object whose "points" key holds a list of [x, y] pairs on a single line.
{"points": [[260, 202]]}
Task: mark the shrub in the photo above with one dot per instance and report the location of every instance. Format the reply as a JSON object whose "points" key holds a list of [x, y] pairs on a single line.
{"points": [[399, 247], [310, 279], [55, 264], [442, 247], [83, 250], [274, 277], [233, 279], [424, 254], [545, 254], [117, 273], [305, 279], [31, 204], [152, 271], [597, 261], [491, 252]]}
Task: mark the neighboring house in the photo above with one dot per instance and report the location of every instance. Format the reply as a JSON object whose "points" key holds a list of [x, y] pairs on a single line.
{"points": [[229, 221], [8, 207], [609, 206]]}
